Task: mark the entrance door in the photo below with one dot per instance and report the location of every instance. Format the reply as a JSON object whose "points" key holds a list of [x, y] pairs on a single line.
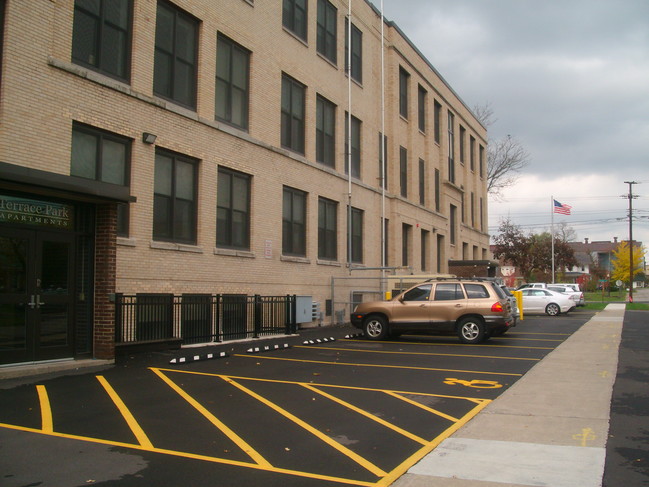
{"points": [[36, 295]]}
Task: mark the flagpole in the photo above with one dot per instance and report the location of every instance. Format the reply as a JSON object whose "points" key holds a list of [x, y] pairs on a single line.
{"points": [[552, 232]]}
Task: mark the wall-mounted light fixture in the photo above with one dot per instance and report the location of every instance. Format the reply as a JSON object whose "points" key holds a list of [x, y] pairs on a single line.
{"points": [[148, 138]]}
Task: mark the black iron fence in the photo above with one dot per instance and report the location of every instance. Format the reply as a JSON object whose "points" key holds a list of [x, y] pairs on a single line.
{"points": [[201, 318]]}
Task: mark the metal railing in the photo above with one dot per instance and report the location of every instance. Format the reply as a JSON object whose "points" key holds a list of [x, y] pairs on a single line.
{"points": [[201, 318]]}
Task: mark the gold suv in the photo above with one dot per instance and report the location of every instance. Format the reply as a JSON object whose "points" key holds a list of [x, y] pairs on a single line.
{"points": [[474, 309]]}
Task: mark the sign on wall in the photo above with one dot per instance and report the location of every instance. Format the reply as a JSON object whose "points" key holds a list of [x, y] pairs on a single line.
{"points": [[33, 212]]}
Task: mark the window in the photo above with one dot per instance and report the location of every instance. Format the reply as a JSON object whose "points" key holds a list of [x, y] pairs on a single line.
{"points": [[325, 132], [174, 72], [481, 161], [481, 215], [437, 190], [294, 222], [294, 17], [356, 52], [101, 36], [448, 292], [383, 168], [386, 239], [233, 210], [451, 148], [406, 231], [472, 152], [327, 32], [462, 143], [356, 228], [102, 156], [404, 79], [422, 182], [293, 94], [232, 83], [174, 199], [356, 146], [419, 293], [472, 210], [476, 291], [438, 122], [327, 229], [453, 223], [421, 104], [403, 171], [424, 249]]}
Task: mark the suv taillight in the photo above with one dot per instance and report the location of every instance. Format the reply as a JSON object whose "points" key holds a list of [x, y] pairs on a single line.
{"points": [[497, 307]]}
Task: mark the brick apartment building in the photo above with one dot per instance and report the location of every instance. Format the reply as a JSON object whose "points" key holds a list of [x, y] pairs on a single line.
{"points": [[200, 146]]}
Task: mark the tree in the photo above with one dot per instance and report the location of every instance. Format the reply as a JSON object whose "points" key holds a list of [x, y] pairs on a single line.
{"points": [[532, 254], [622, 264], [506, 157]]}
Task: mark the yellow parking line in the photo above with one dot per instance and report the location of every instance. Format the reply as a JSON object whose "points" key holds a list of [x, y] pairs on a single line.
{"points": [[335, 386], [380, 366], [422, 452], [429, 344], [139, 433], [195, 456], [362, 412], [422, 406], [46, 410], [330, 441], [388, 352], [249, 450]]}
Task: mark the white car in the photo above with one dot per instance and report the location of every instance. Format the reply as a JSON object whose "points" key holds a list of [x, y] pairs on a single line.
{"points": [[545, 301], [575, 287], [576, 296]]}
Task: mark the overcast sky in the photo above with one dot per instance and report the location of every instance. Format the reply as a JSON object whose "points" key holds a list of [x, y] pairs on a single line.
{"points": [[569, 79]]}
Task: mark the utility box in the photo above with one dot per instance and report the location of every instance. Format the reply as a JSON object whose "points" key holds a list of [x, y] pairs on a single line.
{"points": [[303, 309]]}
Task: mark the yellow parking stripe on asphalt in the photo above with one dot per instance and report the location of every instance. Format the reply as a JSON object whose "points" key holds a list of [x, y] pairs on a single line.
{"points": [[258, 357], [422, 406], [195, 456], [481, 345], [362, 412], [388, 352], [327, 439], [249, 450], [139, 433], [46, 410]]}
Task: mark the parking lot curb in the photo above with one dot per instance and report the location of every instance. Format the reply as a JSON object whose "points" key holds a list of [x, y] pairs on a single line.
{"points": [[198, 358], [268, 348]]}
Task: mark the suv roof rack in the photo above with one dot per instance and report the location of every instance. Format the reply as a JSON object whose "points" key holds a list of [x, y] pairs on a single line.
{"points": [[481, 279]]}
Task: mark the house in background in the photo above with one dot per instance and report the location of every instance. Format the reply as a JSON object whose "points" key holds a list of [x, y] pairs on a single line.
{"points": [[595, 262]]}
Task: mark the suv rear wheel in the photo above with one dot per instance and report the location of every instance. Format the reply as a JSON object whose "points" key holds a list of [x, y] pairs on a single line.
{"points": [[471, 330], [375, 327]]}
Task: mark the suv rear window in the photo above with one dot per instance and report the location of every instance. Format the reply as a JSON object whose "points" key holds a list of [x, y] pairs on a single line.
{"points": [[499, 292], [476, 291]]}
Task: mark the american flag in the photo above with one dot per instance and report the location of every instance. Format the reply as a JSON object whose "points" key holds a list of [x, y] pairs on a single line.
{"points": [[563, 209]]}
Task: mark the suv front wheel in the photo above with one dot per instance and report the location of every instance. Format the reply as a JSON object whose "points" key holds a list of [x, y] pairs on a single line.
{"points": [[471, 330], [375, 327]]}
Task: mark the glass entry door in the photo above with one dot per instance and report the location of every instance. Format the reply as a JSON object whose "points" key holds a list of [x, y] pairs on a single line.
{"points": [[36, 295]]}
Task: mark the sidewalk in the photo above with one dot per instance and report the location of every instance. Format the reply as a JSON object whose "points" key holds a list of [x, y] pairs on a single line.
{"points": [[549, 429]]}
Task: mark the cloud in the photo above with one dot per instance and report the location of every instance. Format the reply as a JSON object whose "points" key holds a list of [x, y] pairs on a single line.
{"points": [[568, 78]]}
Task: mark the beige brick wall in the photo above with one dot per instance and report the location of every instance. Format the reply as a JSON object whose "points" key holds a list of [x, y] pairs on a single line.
{"points": [[42, 93]]}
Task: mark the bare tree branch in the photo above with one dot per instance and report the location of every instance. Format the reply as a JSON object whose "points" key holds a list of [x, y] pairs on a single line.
{"points": [[506, 157]]}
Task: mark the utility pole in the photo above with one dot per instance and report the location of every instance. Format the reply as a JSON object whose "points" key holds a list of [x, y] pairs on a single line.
{"points": [[630, 197]]}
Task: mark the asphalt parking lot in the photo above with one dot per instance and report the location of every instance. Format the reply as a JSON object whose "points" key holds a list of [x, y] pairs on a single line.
{"points": [[343, 412]]}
